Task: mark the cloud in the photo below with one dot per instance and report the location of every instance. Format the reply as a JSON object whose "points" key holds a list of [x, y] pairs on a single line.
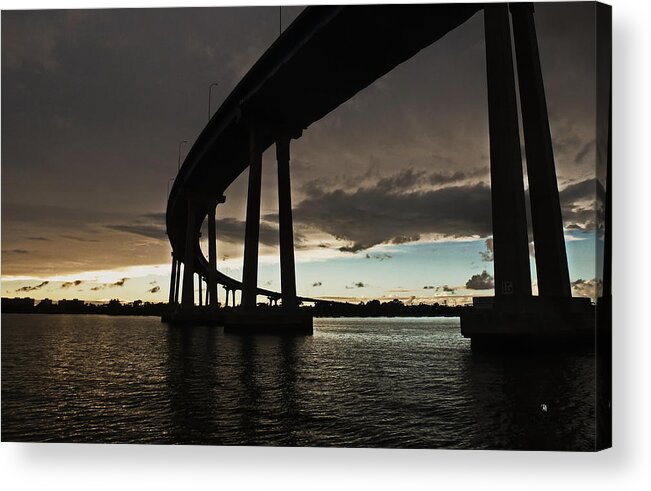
{"points": [[585, 150], [69, 284], [389, 211], [482, 281], [358, 284], [53, 55], [381, 214], [579, 204], [38, 238], [404, 239], [150, 231], [379, 257], [429, 287], [447, 289], [155, 289], [15, 251], [587, 288], [78, 238], [316, 284], [118, 283], [32, 288], [487, 255]]}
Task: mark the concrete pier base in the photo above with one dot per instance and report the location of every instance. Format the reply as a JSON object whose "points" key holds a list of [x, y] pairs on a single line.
{"points": [[531, 324], [268, 321]]}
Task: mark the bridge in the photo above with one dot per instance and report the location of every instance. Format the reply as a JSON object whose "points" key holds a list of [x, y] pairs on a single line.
{"points": [[326, 56]]}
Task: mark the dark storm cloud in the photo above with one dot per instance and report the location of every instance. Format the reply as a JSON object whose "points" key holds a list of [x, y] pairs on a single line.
{"points": [[151, 231], [587, 288], [104, 286], [457, 176], [357, 284], [580, 204], [585, 151], [483, 281], [32, 288], [15, 251], [155, 289], [70, 284], [95, 103], [78, 238], [232, 230], [487, 255], [152, 225], [316, 284], [381, 213], [379, 257], [375, 215]]}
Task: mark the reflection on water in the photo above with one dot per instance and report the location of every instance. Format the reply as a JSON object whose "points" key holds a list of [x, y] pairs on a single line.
{"points": [[356, 382]]}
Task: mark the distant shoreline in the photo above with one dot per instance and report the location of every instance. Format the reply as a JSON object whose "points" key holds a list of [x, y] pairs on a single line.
{"points": [[325, 316], [373, 308]]}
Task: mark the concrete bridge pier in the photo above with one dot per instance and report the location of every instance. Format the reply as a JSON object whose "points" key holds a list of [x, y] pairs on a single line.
{"points": [[512, 275], [191, 237], [227, 290], [212, 299], [173, 297], [286, 225], [252, 230], [514, 319], [547, 222], [288, 320], [200, 278], [177, 290]]}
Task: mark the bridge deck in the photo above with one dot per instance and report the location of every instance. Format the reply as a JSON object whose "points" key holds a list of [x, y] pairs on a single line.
{"points": [[326, 56]]}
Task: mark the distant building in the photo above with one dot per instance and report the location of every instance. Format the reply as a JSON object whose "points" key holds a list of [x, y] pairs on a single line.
{"points": [[10, 305], [74, 306]]}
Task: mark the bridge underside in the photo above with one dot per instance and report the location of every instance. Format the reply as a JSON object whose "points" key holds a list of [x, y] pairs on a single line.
{"points": [[322, 60]]}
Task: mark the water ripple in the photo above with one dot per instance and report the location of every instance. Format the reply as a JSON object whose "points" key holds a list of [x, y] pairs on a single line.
{"points": [[356, 382]]}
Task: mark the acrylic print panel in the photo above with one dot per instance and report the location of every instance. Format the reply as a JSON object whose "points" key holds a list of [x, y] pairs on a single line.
{"points": [[361, 226]]}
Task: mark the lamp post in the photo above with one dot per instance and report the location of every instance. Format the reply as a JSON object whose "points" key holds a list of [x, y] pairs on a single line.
{"points": [[179, 161], [215, 84]]}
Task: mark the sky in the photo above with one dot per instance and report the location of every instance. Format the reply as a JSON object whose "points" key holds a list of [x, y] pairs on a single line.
{"points": [[391, 191]]}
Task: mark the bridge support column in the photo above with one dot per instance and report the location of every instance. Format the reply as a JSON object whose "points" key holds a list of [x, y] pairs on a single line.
{"points": [[547, 221], [285, 225], [200, 290], [252, 231], [187, 300], [212, 253], [510, 242], [172, 297], [177, 286]]}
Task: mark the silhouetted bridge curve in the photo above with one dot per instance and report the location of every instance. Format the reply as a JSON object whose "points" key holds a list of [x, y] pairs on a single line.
{"points": [[326, 56]]}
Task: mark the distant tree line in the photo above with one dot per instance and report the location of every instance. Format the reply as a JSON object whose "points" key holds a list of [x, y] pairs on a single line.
{"points": [[75, 306], [393, 308], [372, 308]]}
